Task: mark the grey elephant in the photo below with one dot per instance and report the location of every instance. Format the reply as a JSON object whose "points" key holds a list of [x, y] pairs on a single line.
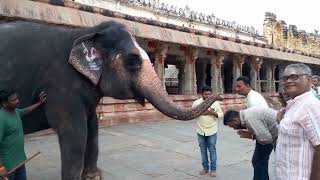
{"points": [[76, 67]]}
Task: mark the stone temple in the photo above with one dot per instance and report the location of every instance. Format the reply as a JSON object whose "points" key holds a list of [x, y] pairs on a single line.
{"points": [[187, 48]]}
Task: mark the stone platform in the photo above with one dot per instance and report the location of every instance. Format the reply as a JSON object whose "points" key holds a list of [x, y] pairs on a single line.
{"points": [[113, 112]]}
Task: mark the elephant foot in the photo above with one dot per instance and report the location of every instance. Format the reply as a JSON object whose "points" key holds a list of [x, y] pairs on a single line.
{"points": [[91, 175]]}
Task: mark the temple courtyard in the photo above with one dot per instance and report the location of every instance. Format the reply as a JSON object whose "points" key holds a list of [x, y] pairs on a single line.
{"points": [[164, 150]]}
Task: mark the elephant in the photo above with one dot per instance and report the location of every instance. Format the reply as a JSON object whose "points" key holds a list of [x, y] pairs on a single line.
{"points": [[76, 67]]}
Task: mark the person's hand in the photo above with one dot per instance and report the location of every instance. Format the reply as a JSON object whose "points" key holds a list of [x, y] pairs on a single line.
{"points": [[207, 112], [3, 172], [280, 114], [245, 134], [42, 97], [218, 97]]}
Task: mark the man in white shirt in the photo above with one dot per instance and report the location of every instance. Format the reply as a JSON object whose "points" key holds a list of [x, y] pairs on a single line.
{"points": [[207, 132], [253, 98], [260, 158]]}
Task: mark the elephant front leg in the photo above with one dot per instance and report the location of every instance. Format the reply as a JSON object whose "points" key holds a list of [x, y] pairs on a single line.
{"points": [[72, 147], [69, 120], [91, 171]]}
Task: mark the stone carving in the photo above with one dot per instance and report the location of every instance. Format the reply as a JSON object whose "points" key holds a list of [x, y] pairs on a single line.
{"points": [[161, 53], [189, 14], [290, 38]]}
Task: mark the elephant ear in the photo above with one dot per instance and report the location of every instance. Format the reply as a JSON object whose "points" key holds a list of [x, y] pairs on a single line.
{"points": [[86, 59]]}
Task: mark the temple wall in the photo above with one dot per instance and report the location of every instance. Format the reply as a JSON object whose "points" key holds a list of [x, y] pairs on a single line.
{"points": [[192, 46], [279, 34]]}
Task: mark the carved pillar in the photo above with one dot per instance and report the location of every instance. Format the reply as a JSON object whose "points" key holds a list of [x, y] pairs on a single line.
{"points": [[255, 64], [160, 56], [270, 71], [216, 80], [237, 61], [189, 81], [281, 71]]}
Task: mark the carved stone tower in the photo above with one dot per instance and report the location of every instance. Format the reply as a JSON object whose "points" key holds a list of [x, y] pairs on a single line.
{"points": [[269, 22]]}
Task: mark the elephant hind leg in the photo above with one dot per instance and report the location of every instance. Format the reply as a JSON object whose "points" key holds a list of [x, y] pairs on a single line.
{"points": [[91, 171]]}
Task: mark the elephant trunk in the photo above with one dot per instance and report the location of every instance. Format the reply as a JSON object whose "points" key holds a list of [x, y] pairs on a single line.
{"points": [[151, 87]]}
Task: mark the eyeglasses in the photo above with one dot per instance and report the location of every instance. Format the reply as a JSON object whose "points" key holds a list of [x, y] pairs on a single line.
{"points": [[293, 77]]}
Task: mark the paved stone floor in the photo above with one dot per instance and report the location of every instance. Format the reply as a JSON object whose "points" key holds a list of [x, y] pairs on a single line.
{"points": [[165, 150]]}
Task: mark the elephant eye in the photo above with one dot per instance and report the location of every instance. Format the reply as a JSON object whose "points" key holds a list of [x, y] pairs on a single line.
{"points": [[133, 62]]}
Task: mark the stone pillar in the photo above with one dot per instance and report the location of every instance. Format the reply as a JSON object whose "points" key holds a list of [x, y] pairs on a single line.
{"points": [[270, 68], [255, 64], [216, 80], [189, 85], [281, 71], [270, 71], [237, 61], [160, 56]]}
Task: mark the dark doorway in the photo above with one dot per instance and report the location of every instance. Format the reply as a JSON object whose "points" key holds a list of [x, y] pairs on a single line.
{"points": [[209, 77], [227, 75], [246, 69]]}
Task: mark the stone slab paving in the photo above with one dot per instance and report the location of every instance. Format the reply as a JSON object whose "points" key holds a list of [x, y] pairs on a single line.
{"points": [[165, 150]]}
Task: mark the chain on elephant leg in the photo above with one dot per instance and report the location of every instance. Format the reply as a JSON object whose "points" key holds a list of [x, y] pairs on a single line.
{"points": [[90, 174]]}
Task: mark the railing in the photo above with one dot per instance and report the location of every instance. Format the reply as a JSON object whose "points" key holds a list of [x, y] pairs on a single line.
{"points": [[172, 80], [172, 83]]}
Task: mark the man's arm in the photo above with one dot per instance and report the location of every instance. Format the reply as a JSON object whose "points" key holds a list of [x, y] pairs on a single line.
{"points": [[280, 115], [3, 171], [215, 111], [315, 171], [211, 112], [245, 133], [261, 132], [42, 99], [311, 125]]}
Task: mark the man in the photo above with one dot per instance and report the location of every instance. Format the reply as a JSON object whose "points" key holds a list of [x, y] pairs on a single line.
{"points": [[261, 122], [253, 98], [11, 133], [316, 81], [207, 132], [298, 145], [315, 86]]}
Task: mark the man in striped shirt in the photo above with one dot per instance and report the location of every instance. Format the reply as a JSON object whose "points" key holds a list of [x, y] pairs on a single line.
{"points": [[261, 124], [298, 145]]}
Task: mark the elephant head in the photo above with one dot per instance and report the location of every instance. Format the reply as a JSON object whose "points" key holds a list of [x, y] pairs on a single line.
{"points": [[109, 56]]}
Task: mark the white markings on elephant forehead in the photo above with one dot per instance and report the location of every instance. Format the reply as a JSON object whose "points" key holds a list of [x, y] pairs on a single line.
{"points": [[143, 53]]}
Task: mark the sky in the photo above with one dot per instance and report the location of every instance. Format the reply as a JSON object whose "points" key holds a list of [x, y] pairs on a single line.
{"points": [[304, 14]]}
